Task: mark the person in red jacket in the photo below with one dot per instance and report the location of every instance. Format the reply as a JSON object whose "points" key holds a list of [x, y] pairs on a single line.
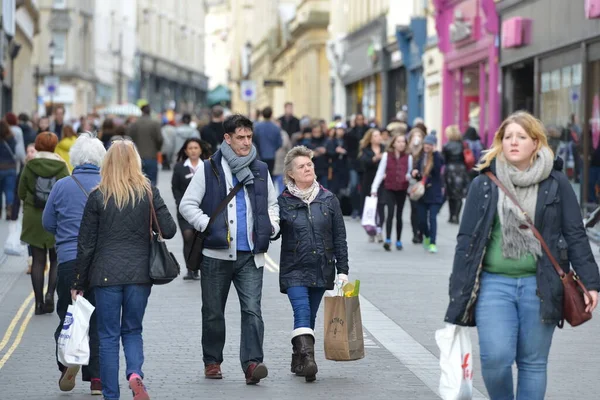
{"points": [[394, 171]]}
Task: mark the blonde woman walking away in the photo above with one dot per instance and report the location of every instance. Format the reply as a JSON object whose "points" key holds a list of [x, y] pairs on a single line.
{"points": [[113, 252]]}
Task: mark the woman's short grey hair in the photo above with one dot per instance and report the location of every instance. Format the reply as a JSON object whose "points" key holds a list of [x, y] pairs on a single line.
{"points": [[87, 150], [288, 163]]}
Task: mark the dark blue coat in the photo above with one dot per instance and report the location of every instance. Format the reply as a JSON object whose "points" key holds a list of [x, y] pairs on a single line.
{"points": [[216, 191], [434, 184], [557, 217], [313, 241]]}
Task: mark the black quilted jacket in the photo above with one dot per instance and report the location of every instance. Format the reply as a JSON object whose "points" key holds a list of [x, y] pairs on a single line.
{"points": [[313, 241], [113, 246]]}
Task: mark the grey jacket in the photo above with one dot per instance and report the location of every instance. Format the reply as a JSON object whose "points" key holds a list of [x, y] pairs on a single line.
{"points": [[183, 133]]}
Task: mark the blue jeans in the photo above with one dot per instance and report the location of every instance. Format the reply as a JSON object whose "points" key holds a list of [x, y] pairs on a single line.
{"points": [[215, 279], [305, 302], [428, 219], [510, 329], [119, 313], [150, 169], [8, 182]]}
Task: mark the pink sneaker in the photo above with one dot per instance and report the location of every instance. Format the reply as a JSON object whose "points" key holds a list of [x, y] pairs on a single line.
{"points": [[136, 384]]}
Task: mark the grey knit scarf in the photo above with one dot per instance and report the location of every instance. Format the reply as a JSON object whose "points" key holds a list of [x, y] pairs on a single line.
{"points": [[240, 166], [524, 186]]}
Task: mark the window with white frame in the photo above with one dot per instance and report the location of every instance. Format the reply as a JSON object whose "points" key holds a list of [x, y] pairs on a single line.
{"points": [[60, 47], [59, 3]]}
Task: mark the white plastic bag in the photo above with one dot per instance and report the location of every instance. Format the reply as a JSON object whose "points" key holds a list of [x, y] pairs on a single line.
{"points": [[456, 381], [13, 246], [369, 215], [74, 341]]}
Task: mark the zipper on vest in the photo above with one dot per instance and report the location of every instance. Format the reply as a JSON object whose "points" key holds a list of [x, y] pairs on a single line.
{"points": [[474, 293]]}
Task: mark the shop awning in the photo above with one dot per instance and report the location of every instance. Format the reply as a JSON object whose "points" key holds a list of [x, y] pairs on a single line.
{"points": [[218, 95]]}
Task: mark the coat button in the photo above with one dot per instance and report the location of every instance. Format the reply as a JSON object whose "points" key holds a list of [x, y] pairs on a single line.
{"points": [[231, 205], [231, 221], [314, 252], [231, 256], [105, 279], [485, 196], [231, 238]]}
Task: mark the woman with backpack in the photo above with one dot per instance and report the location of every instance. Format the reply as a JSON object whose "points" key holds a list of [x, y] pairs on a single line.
{"points": [[37, 179], [455, 174]]}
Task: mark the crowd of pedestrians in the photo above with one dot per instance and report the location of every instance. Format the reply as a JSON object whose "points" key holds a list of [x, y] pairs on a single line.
{"points": [[87, 198]]}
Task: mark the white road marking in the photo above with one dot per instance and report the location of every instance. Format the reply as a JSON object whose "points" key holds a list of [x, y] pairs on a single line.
{"points": [[406, 349]]}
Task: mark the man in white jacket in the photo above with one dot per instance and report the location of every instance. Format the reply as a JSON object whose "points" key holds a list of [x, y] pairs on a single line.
{"points": [[234, 244]]}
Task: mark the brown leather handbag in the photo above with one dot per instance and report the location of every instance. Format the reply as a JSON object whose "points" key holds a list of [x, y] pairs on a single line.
{"points": [[574, 290]]}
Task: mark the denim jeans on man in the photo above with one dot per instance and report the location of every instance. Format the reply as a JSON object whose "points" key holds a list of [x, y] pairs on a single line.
{"points": [[119, 313], [150, 169], [305, 302], [8, 181], [66, 275], [428, 219], [510, 329], [216, 277]]}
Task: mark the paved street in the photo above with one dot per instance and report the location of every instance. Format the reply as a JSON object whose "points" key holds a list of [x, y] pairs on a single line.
{"points": [[404, 296]]}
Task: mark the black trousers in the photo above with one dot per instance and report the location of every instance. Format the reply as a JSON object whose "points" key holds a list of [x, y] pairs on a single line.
{"points": [[394, 199], [455, 205], [414, 217], [66, 275]]}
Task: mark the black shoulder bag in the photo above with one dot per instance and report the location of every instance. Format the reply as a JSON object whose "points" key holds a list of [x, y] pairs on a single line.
{"points": [[194, 257], [163, 266]]}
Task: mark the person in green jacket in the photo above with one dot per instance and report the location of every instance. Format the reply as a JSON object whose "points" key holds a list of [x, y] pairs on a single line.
{"points": [[37, 179]]}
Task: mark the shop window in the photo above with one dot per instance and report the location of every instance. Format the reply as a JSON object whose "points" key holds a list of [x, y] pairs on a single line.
{"points": [[560, 95]]}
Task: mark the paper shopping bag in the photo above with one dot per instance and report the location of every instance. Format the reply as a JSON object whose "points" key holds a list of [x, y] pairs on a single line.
{"points": [[456, 380], [343, 329]]}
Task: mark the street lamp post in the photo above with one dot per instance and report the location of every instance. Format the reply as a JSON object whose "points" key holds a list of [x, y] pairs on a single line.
{"points": [[248, 54], [51, 52]]}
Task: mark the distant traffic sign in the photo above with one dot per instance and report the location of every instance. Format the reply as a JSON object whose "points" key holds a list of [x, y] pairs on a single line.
{"points": [[52, 83], [248, 89]]}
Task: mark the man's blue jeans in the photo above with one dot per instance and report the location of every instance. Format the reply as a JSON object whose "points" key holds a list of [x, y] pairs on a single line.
{"points": [[150, 169], [215, 279], [510, 329], [428, 219], [305, 302], [119, 313]]}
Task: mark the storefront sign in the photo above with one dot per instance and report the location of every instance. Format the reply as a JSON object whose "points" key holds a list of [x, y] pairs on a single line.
{"points": [[592, 9], [460, 28], [516, 32]]}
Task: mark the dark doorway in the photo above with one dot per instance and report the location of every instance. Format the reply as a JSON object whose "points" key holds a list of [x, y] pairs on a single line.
{"points": [[519, 80]]}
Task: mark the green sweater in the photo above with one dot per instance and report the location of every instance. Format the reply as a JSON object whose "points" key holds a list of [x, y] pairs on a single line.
{"points": [[494, 262]]}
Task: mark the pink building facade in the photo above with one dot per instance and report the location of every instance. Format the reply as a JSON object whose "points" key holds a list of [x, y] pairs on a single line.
{"points": [[468, 34]]}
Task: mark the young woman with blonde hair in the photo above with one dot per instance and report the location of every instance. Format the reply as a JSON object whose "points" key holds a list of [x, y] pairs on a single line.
{"points": [[502, 281], [113, 258], [415, 148]]}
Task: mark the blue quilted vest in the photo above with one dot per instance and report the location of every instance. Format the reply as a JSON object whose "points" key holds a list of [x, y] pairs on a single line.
{"points": [[216, 191]]}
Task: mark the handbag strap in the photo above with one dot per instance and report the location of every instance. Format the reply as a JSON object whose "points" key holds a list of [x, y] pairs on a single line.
{"points": [[224, 203], [536, 233], [80, 186], [153, 218]]}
